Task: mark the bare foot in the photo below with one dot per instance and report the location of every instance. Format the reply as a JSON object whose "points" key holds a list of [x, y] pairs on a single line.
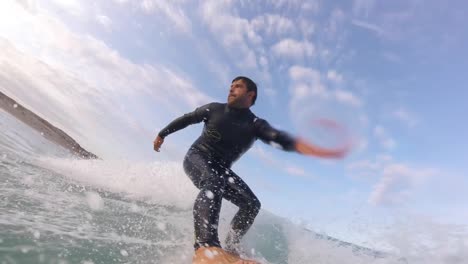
{"points": [[216, 255]]}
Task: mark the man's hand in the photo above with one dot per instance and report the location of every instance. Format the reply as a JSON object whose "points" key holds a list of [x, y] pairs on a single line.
{"points": [[157, 143], [306, 148]]}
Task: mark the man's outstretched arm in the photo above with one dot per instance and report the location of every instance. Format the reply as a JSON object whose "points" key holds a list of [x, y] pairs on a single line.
{"points": [[269, 134], [179, 123]]}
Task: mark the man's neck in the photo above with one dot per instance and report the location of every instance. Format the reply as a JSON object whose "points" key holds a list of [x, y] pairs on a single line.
{"points": [[238, 108]]}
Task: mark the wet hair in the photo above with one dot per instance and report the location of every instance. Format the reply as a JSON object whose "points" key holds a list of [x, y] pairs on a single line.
{"points": [[251, 86]]}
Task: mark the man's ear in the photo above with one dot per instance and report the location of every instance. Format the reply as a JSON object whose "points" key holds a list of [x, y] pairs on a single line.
{"points": [[251, 95]]}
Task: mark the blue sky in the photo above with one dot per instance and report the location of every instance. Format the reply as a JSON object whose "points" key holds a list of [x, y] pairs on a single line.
{"points": [[112, 73]]}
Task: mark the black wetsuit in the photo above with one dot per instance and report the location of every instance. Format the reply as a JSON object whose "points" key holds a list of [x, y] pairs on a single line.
{"points": [[228, 133]]}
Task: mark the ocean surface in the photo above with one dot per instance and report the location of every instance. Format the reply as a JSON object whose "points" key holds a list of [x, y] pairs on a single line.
{"points": [[57, 209]]}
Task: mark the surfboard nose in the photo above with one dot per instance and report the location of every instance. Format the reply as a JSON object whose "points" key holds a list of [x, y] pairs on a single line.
{"points": [[216, 255]]}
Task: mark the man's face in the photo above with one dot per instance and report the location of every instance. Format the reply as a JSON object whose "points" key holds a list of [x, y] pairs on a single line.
{"points": [[239, 95]]}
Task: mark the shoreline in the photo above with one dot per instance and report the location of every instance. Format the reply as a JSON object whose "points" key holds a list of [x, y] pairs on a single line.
{"points": [[49, 131]]}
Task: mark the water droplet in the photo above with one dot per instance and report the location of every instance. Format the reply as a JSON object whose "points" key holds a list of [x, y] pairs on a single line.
{"points": [[124, 253], [135, 208], [161, 226], [209, 194], [94, 201]]}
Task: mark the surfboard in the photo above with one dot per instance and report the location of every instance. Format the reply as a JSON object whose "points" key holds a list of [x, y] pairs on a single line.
{"points": [[215, 255]]}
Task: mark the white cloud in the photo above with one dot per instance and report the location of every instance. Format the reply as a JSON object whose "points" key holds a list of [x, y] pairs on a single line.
{"points": [[30, 5], [73, 7], [306, 82], [405, 116], [172, 11], [104, 20], [334, 76], [385, 140], [80, 84], [294, 170], [311, 98], [307, 27], [347, 97], [235, 33], [294, 49], [263, 61], [396, 183], [273, 25], [303, 5]]}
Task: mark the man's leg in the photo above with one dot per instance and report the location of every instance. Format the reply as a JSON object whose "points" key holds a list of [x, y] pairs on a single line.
{"points": [[239, 193], [207, 205]]}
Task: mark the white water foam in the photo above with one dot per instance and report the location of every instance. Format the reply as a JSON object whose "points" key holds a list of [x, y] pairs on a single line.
{"points": [[164, 183]]}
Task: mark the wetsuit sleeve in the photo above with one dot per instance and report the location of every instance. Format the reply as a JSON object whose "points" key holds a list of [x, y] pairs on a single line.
{"points": [[268, 134], [200, 114]]}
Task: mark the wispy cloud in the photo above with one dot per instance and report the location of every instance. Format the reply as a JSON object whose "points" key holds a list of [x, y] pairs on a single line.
{"points": [[405, 116], [79, 76], [73, 7], [347, 97], [384, 138], [368, 26], [104, 21], [293, 49], [273, 25], [172, 10], [295, 170], [306, 82], [311, 97], [335, 77], [363, 7], [235, 33], [397, 182], [336, 21], [368, 169], [268, 157]]}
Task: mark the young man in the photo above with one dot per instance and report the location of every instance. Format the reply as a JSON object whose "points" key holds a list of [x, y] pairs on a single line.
{"points": [[230, 130]]}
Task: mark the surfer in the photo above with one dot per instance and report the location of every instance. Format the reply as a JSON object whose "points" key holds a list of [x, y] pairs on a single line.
{"points": [[229, 131]]}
